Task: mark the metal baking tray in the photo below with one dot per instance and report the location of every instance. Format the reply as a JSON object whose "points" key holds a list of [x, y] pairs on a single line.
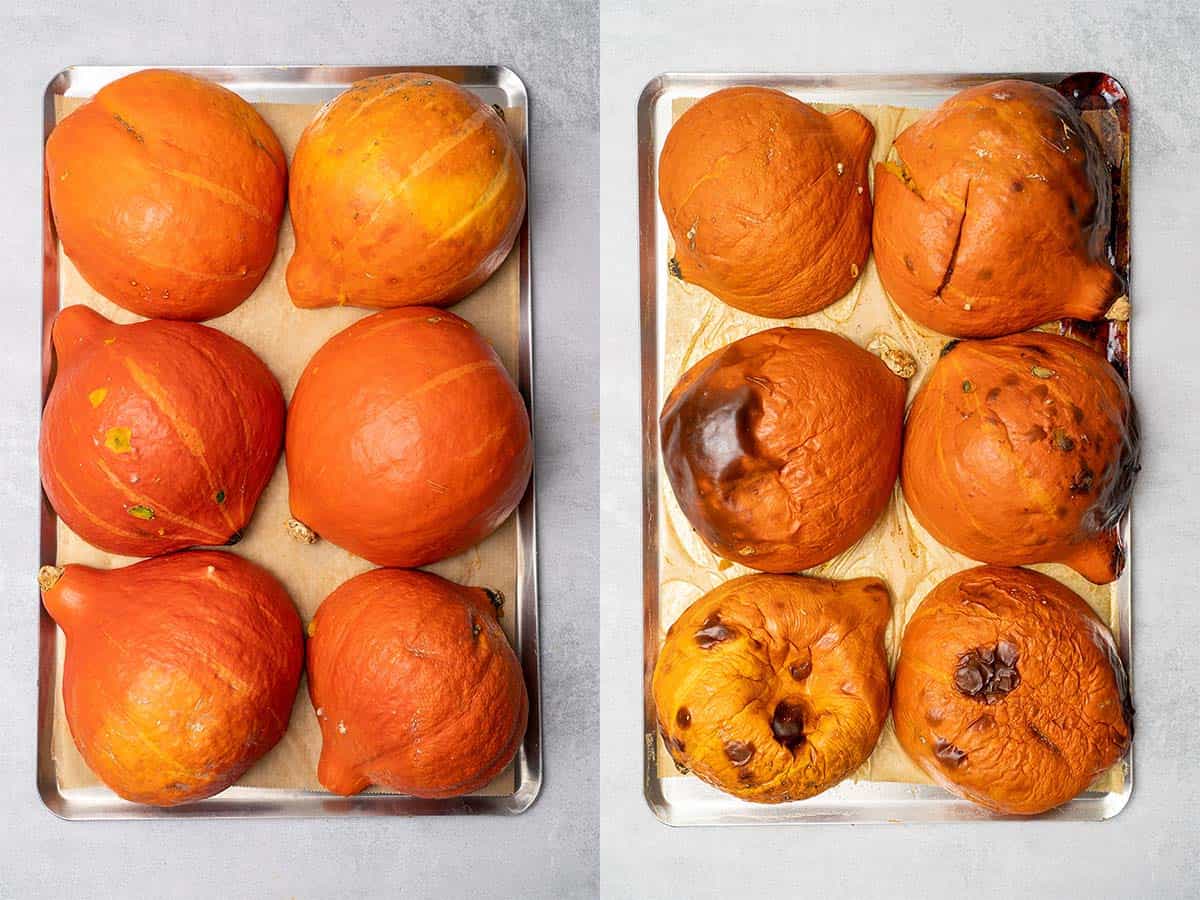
{"points": [[302, 85], [687, 800]]}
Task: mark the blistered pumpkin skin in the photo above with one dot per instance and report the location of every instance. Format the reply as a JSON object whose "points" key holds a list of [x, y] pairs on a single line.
{"points": [[775, 687], [167, 192], [405, 189], [1023, 449], [157, 435], [767, 200], [1009, 690], [180, 671], [995, 216], [783, 447], [414, 685], [407, 441]]}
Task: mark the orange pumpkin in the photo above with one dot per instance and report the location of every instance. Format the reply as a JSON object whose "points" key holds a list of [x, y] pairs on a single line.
{"points": [[405, 189], [180, 671], [1009, 690], [775, 687], [167, 192], [767, 200], [1023, 449], [414, 684], [783, 447], [994, 214], [406, 439], [156, 435]]}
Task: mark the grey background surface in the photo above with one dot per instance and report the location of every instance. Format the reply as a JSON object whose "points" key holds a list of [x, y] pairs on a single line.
{"points": [[1150, 850], [551, 850]]}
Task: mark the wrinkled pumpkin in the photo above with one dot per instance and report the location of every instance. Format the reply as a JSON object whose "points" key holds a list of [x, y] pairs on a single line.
{"points": [[775, 687], [156, 435], [1009, 690], [783, 447], [405, 189], [180, 671], [407, 440], [993, 213], [767, 200], [414, 685], [167, 192], [1023, 449]]}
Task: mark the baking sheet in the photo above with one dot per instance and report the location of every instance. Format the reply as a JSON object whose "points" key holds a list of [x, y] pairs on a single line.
{"points": [[690, 324], [285, 337]]}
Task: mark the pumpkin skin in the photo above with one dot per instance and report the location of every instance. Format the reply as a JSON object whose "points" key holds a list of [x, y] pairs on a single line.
{"points": [[180, 671], [775, 687], [407, 441], [1023, 449], [768, 200], [783, 447], [414, 685], [156, 435], [996, 216], [1028, 728], [167, 192], [405, 189]]}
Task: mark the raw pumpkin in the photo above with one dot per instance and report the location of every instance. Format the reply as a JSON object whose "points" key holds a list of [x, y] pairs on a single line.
{"points": [[1009, 690], [993, 214], [167, 192], [414, 685], [783, 447], [156, 435], [180, 671], [1023, 449], [768, 200], [775, 687], [405, 189], [406, 439]]}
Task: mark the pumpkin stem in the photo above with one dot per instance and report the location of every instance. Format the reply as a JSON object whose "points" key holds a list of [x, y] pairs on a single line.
{"points": [[301, 532], [497, 600], [48, 576]]}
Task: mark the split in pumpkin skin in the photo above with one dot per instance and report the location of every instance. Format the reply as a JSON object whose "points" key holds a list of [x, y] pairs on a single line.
{"points": [[158, 435], [1009, 691], [993, 216], [768, 200], [406, 189], [415, 686], [167, 191], [180, 672], [775, 687]]}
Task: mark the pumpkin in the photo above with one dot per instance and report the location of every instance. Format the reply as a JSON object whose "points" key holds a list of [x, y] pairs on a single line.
{"points": [[167, 191], [405, 189], [783, 447], [1009, 690], [156, 435], [1023, 449], [767, 200], [180, 671], [775, 687], [407, 440], [414, 685], [993, 214]]}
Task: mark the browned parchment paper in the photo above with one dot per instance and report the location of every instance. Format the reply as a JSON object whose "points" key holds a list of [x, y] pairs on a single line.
{"points": [[897, 549], [285, 338]]}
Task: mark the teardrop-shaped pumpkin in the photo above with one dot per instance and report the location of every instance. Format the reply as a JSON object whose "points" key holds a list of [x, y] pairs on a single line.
{"points": [[767, 200], [405, 189], [156, 435], [180, 671], [1023, 449], [414, 685], [167, 192], [993, 214], [407, 440]]}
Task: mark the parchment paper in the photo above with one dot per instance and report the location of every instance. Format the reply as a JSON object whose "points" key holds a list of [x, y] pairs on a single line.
{"points": [[285, 337], [897, 549]]}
